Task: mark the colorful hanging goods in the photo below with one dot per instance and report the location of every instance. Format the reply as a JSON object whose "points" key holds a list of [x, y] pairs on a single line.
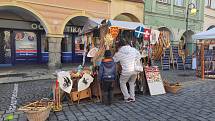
{"points": [[114, 31], [108, 40], [138, 32], [57, 103], [154, 36], [147, 34], [84, 82], [92, 52]]}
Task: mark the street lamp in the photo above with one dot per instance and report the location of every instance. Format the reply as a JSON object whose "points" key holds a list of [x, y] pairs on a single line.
{"points": [[193, 12]]}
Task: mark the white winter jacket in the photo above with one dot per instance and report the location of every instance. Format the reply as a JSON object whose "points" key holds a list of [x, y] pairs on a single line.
{"points": [[126, 56]]}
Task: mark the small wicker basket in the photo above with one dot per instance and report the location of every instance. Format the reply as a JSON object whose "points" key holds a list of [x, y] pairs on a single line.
{"points": [[37, 111], [173, 88]]}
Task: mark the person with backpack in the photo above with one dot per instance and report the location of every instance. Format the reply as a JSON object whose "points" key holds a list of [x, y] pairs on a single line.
{"points": [[107, 76]]}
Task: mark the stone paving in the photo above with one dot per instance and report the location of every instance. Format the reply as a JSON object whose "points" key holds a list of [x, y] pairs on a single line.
{"points": [[29, 72], [195, 102]]}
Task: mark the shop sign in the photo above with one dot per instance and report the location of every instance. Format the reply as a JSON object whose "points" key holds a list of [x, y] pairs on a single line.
{"points": [[154, 80], [36, 26], [73, 29]]}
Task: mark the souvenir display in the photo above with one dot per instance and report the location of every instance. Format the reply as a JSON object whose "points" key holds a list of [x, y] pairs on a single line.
{"points": [[205, 59], [65, 81], [147, 34], [92, 52], [84, 82], [154, 36], [114, 31], [108, 41]]}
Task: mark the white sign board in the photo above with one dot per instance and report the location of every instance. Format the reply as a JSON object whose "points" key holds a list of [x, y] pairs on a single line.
{"points": [[154, 80]]}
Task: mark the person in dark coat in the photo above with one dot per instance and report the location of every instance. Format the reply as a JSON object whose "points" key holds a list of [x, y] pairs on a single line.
{"points": [[107, 76]]}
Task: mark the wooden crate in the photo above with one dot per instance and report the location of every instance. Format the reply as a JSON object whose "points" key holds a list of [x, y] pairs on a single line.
{"points": [[77, 96]]}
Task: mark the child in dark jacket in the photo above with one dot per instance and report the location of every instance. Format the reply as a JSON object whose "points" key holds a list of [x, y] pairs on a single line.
{"points": [[107, 75]]}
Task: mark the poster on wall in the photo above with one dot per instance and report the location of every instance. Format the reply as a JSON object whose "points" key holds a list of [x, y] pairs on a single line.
{"points": [[154, 80], [79, 46], [26, 42]]}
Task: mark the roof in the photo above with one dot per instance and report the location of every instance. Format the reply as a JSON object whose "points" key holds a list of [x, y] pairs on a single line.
{"points": [[206, 35], [94, 22]]}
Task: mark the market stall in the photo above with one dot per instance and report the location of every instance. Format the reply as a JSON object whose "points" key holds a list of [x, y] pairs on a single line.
{"points": [[99, 35], [205, 53]]}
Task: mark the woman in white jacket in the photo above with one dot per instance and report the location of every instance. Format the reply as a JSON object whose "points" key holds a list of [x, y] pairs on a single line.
{"points": [[126, 56]]}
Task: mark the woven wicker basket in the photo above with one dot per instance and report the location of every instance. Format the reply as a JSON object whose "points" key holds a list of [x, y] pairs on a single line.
{"points": [[37, 111], [38, 115], [172, 89]]}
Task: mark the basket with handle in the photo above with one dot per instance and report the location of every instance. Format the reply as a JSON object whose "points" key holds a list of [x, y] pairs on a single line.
{"points": [[37, 111]]}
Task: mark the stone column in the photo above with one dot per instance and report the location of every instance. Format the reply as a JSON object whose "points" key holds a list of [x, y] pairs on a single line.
{"points": [[54, 52]]}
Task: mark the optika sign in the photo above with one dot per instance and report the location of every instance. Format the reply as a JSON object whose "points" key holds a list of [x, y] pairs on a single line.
{"points": [[36, 26], [73, 29]]}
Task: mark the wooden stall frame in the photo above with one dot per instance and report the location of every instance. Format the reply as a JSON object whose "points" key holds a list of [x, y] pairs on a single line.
{"points": [[202, 44]]}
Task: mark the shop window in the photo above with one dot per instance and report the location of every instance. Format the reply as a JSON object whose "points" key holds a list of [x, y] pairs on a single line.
{"points": [[44, 43], [210, 4], [163, 1], [79, 45], [195, 2], [179, 2], [66, 44]]}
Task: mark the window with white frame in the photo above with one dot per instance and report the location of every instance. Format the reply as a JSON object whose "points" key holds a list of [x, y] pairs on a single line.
{"points": [[179, 2], [163, 1], [195, 2], [210, 3]]}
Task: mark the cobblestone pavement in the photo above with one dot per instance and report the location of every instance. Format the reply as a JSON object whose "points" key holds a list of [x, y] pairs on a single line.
{"points": [[195, 102]]}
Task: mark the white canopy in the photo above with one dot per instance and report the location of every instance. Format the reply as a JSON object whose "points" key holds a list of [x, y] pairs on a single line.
{"points": [[94, 22], [207, 35]]}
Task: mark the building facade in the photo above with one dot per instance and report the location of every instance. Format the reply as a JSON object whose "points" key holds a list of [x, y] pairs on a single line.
{"points": [[46, 31], [170, 15], [209, 14]]}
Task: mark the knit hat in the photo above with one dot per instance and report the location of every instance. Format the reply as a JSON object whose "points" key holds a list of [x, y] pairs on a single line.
{"points": [[107, 53]]}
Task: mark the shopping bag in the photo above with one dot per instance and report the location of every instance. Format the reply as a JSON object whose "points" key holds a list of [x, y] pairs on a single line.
{"points": [[138, 66]]}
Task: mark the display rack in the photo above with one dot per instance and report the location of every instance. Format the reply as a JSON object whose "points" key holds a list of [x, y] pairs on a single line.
{"points": [[206, 59]]}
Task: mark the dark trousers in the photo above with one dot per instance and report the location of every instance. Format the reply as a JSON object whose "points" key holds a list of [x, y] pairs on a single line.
{"points": [[107, 89]]}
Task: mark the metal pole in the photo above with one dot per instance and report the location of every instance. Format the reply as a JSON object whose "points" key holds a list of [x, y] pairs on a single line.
{"points": [[186, 28], [187, 20]]}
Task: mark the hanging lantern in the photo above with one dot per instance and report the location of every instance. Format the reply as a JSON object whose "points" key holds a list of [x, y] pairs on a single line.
{"points": [[193, 11]]}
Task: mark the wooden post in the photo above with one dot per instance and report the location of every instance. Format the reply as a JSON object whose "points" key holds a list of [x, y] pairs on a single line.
{"points": [[202, 62]]}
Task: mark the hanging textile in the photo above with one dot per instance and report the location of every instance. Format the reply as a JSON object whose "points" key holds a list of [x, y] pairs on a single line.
{"points": [[154, 36], [84, 38], [147, 34]]}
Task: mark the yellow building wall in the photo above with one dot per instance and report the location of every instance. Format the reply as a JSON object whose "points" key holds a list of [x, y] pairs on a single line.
{"points": [[121, 6], [209, 18], [54, 14]]}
